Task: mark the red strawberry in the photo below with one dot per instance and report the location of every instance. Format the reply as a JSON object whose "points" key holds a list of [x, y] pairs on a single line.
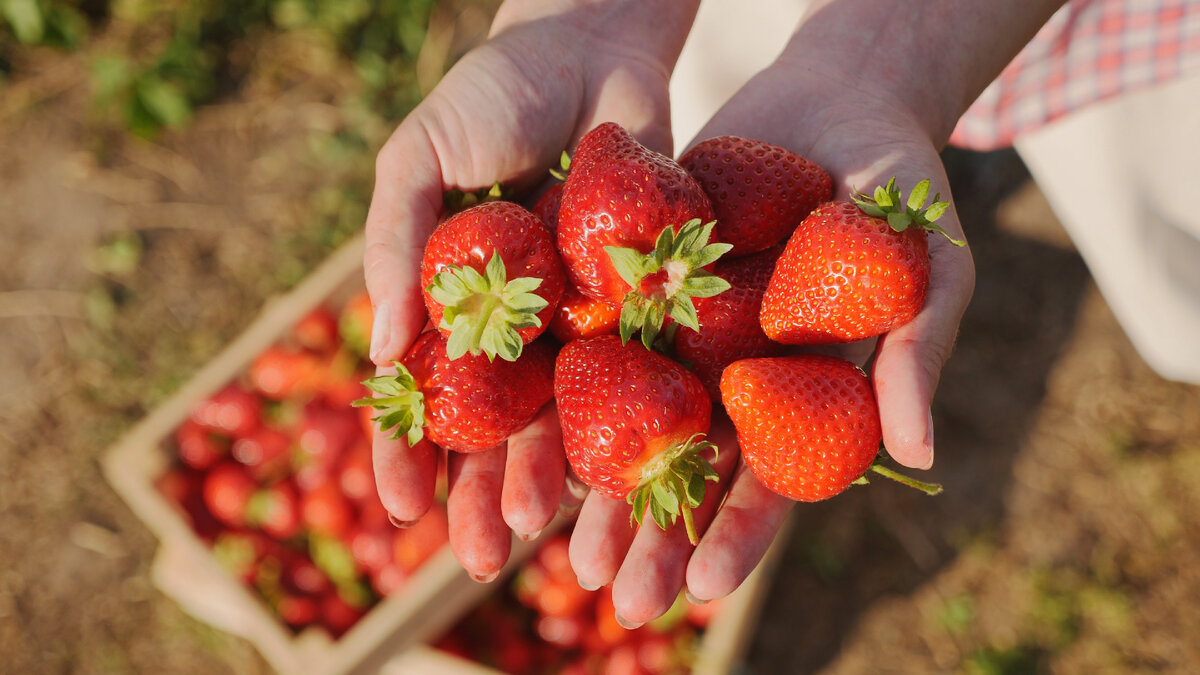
{"points": [[317, 331], [281, 372], [411, 547], [808, 425], [729, 327], [233, 411], [266, 452], [228, 489], [326, 511], [853, 270], [338, 614], [631, 232], [298, 611], [492, 277], [581, 316], [467, 404], [276, 510], [199, 447], [632, 421], [760, 192]]}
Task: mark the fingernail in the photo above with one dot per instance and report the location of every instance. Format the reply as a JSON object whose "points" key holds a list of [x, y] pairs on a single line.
{"points": [[486, 578], [589, 587], [693, 599], [380, 333], [929, 441], [529, 537], [626, 624], [402, 524]]}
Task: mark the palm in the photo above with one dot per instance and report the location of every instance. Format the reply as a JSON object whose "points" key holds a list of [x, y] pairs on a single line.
{"points": [[504, 114]]}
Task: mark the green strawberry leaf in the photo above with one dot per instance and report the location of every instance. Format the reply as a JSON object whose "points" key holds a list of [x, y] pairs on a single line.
{"points": [[482, 312], [401, 403], [673, 484], [677, 260], [886, 203]]}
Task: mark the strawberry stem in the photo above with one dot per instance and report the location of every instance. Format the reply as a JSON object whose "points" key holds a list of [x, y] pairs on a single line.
{"points": [[401, 403], [887, 203], [927, 488], [672, 485]]}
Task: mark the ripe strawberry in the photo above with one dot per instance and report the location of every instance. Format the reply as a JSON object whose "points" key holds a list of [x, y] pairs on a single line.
{"points": [[232, 411], [317, 331], [760, 192], [631, 232], [411, 547], [581, 316], [853, 270], [276, 510], [298, 611], [198, 446], [632, 423], [281, 372], [266, 452], [492, 277], [228, 489], [808, 425], [467, 404], [325, 511], [729, 327]]}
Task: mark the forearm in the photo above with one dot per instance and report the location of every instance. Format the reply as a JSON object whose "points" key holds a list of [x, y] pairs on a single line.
{"points": [[655, 28], [932, 57]]}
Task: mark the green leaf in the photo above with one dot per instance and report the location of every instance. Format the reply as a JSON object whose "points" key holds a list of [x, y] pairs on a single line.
{"points": [[916, 198], [496, 274], [683, 310], [704, 284], [936, 210], [26, 19], [462, 338], [164, 101], [629, 264], [899, 221], [709, 254], [695, 489], [633, 315], [882, 198]]}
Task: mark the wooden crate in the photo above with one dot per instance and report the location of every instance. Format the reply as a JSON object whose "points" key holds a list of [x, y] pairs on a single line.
{"points": [[185, 568]]}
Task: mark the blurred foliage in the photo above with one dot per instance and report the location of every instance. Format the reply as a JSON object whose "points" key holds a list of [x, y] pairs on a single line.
{"points": [[174, 55]]}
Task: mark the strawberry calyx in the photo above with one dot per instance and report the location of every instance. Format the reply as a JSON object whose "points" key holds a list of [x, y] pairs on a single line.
{"points": [[564, 167], [672, 485], [665, 280], [401, 403], [888, 204], [882, 469], [456, 200], [483, 312]]}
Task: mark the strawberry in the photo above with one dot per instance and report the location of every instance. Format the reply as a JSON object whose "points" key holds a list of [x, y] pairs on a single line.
{"points": [[317, 331], [632, 426], [467, 404], [232, 411], [282, 372], [546, 207], [853, 270], [729, 327], [266, 452], [228, 489], [276, 510], [634, 230], [760, 192], [412, 546], [808, 425], [492, 277], [198, 446], [325, 511], [580, 316]]}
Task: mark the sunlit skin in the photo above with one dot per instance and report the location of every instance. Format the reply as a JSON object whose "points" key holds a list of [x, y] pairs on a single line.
{"points": [[840, 95]]}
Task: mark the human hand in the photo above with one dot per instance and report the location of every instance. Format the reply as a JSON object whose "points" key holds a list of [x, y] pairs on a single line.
{"points": [[863, 137], [550, 72]]}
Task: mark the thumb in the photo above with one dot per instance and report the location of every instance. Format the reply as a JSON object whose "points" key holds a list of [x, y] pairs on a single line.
{"points": [[404, 210]]}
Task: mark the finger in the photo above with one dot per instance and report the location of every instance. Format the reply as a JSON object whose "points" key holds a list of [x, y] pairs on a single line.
{"points": [[652, 573], [602, 536], [909, 360], [573, 493], [737, 539], [479, 536], [406, 477], [534, 475], [404, 210]]}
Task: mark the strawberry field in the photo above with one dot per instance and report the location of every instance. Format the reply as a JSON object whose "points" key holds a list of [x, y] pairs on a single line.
{"points": [[166, 168]]}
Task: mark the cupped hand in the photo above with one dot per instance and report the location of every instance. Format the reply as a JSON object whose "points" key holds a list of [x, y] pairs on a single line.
{"points": [[863, 137], [548, 73]]}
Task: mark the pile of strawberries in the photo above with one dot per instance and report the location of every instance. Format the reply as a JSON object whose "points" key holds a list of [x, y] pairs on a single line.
{"points": [[543, 622], [669, 287], [274, 472]]}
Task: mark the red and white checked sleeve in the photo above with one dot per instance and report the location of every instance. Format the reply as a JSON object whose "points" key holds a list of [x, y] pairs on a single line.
{"points": [[1090, 50]]}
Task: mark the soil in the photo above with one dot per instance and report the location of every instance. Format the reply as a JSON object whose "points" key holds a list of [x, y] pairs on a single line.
{"points": [[1068, 538]]}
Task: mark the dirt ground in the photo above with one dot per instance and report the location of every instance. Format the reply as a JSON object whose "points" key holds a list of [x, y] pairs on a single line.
{"points": [[1068, 538]]}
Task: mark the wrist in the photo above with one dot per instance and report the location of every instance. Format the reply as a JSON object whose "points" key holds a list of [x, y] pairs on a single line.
{"points": [[653, 29], [932, 62]]}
